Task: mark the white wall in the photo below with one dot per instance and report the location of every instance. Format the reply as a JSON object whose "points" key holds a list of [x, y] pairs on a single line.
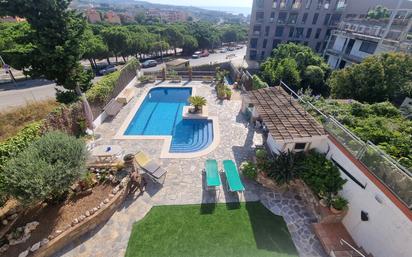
{"points": [[339, 43], [388, 233]]}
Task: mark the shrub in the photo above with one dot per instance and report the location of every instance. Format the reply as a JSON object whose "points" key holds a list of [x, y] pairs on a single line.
{"points": [[14, 145], [284, 168], [339, 203], [261, 154], [66, 97], [101, 91], [228, 92], [220, 90], [46, 169], [258, 83], [321, 175], [249, 169]]}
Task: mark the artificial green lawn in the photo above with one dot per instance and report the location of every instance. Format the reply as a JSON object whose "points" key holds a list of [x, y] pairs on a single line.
{"points": [[246, 229]]}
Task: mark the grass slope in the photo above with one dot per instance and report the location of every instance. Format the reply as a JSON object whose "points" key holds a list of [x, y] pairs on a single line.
{"points": [[246, 229]]}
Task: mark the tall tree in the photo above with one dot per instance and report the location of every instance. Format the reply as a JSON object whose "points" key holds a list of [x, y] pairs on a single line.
{"points": [[116, 38], [94, 48], [56, 40], [173, 37], [387, 76]]}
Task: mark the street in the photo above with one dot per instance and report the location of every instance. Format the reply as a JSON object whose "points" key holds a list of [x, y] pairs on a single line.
{"points": [[19, 94]]}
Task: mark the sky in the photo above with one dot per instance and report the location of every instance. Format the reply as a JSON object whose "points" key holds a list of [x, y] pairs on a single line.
{"points": [[236, 3]]}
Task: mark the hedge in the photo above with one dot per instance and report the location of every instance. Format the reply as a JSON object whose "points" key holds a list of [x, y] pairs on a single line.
{"points": [[14, 145]]}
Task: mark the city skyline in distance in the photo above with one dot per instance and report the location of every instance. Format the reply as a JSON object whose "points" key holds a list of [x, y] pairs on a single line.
{"points": [[199, 3]]}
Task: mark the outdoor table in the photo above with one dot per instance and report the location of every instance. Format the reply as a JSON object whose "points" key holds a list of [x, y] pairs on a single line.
{"points": [[106, 153]]}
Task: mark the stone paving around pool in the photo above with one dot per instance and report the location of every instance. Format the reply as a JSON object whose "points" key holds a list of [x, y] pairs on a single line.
{"points": [[184, 183]]}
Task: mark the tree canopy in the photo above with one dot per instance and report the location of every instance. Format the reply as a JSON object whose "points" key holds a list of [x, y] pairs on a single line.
{"points": [[297, 66], [383, 77], [56, 39]]}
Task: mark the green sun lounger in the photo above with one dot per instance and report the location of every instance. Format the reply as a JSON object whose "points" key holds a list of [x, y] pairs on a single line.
{"points": [[212, 174], [232, 176]]}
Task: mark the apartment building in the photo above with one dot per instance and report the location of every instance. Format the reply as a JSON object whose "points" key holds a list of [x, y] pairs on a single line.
{"points": [[93, 16], [308, 22], [112, 18], [356, 39]]}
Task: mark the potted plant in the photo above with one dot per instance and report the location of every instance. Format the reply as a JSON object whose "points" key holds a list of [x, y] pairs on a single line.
{"points": [[197, 102], [228, 92], [338, 205]]}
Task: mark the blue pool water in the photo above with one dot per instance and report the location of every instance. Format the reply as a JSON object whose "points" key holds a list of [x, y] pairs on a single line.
{"points": [[160, 114]]}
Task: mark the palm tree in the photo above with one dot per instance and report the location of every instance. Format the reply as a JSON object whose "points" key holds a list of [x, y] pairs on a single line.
{"points": [[198, 102]]}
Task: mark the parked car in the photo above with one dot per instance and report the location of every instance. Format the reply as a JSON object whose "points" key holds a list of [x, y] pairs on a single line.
{"points": [[231, 49], [224, 50], [239, 47], [204, 54], [108, 69], [197, 55], [149, 63]]}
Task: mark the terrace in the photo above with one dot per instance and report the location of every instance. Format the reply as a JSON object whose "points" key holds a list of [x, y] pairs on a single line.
{"points": [[185, 181]]}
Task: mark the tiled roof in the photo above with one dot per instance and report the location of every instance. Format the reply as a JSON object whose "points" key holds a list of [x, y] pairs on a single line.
{"points": [[283, 115]]}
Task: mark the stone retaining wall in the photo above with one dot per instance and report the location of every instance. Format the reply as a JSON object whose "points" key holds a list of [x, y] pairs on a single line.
{"points": [[88, 224]]}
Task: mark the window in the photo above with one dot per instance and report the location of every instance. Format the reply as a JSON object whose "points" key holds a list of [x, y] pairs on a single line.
{"points": [[304, 18], [256, 30], [265, 43], [262, 55], [272, 17], [299, 32], [282, 17], [252, 55], [368, 47], [291, 31], [335, 19], [318, 31], [293, 17], [308, 3], [267, 29], [319, 5], [308, 32], [282, 4], [260, 16], [318, 44], [315, 18], [260, 3], [279, 31], [341, 5], [326, 20], [253, 43], [300, 146], [276, 42], [296, 4], [306, 43], [275, 4]]}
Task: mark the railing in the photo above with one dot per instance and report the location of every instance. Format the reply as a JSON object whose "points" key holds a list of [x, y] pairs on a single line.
{"points": [[343, 242], [391, 173]]}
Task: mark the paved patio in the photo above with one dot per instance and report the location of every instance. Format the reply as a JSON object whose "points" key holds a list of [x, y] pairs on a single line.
{"points": [[184, 183]]}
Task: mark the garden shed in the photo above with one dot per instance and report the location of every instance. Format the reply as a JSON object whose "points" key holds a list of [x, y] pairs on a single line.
{"points": [[289, 126]]}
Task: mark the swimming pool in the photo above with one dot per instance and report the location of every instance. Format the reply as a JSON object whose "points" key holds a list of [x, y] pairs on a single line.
{"points": [[161, 114]]}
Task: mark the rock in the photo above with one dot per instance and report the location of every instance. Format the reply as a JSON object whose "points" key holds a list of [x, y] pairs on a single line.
{"points": [[58, 232], [13, 217], [75, 221], [111, 196], [92, 169], [32, 225], [81, 218], [95, 209], [9, 236], [87, 214], [4, 222], [51, 237], [116, 190], [24, 254], [4, 248], [67, 227], [99, 206], [44, 241], [20, 229], [106, 201], [35, 247]]}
